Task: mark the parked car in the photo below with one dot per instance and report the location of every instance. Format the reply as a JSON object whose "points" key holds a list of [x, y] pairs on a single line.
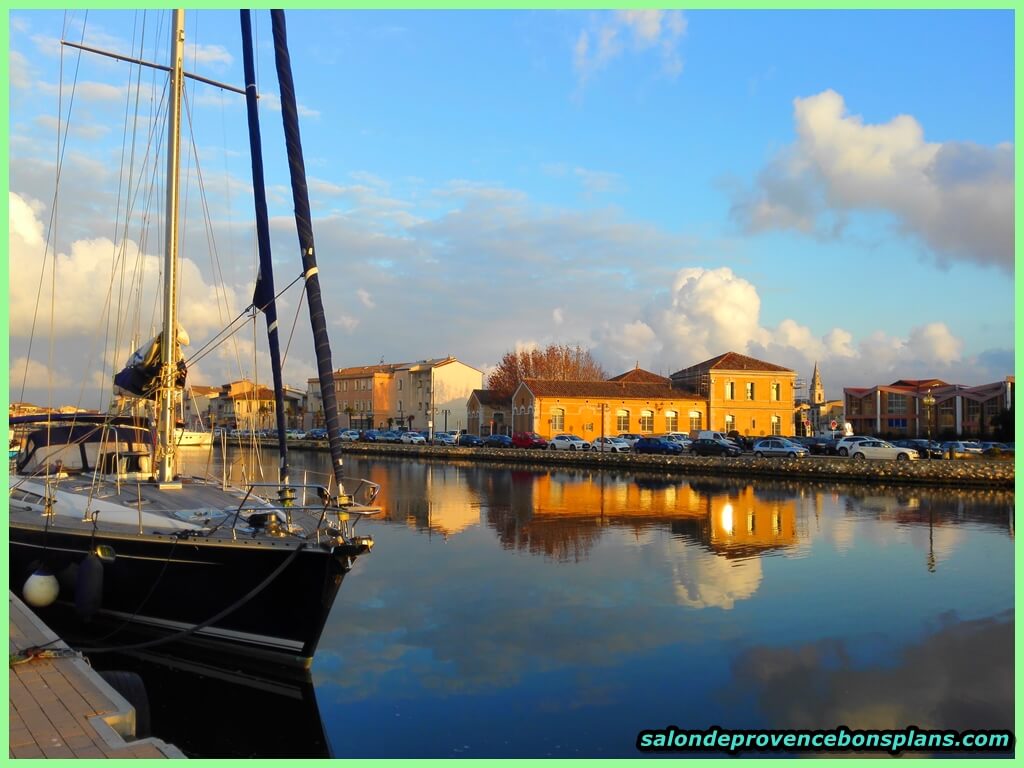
{"points": [[528, 440], [497, 441], [962, 448], [779, 446], [412, 438], [845, 444], [657, 445], [743, 443], [996, 449], [348, 435], [389, 436], [818, 446], [443, 438], [317, 433], [872, 448], [294, 434], [611, 445], [630, 438], [925, 449], [679, 437], [467, 440], [369, 436], [567, 442], [709, 446]]}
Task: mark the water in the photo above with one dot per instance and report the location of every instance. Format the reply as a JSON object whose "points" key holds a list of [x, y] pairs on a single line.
{"points": [[511, 612]]}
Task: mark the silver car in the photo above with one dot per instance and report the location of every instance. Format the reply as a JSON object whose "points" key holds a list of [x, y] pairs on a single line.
{"points": [[777, 446]]}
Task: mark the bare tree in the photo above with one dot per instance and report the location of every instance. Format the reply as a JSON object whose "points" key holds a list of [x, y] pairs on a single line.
{"points": [[558, 362]]}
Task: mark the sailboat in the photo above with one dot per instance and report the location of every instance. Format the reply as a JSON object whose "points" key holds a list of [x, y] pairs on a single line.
{"points": [[105, 529]]}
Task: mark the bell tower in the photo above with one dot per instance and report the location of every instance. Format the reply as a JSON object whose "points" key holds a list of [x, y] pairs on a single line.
{"points": [[817, 390]]}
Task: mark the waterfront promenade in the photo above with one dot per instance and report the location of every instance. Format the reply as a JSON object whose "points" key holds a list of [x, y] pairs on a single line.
{"points": [[964, 473], [60, 707]]}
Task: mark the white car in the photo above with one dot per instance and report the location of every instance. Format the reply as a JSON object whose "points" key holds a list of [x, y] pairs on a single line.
{"points": [[444, 438], [611, 445], [879, 449], [566, 442], [777, 446], [845, 446], [412, 438], [349, 435], [630, 438]]}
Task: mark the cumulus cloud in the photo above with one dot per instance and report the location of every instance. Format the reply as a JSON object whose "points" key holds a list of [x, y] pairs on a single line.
{"points": [[596, 47], [711, 311], [557, 315], [956, 197]]}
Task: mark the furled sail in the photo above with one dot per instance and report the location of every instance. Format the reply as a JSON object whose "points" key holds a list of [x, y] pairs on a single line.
{"points": [[141, 375]]}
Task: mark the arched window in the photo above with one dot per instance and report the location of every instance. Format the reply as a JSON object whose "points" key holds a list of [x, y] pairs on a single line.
{"points": [[671, 421], [730, 422], [557, 419], [695, 421], [622, 420], [646, 421], [776, 425]]}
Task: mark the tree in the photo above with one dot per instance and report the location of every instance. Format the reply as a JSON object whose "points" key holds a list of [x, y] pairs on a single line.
{"points": [[558, 362]]}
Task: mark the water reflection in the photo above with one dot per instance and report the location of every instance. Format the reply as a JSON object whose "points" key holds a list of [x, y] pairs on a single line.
{"points": [[209, 710], [583, 606]]}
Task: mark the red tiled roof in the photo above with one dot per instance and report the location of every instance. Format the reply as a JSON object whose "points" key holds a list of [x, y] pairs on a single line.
{"points": [[733, 361], [490, 397], [639, 375], [608, 389]]}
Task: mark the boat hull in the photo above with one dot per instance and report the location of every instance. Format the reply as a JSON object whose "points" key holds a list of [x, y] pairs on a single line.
{"points": [[162, 586], [186, 438]]}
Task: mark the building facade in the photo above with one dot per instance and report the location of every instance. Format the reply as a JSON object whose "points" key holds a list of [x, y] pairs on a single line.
{"points": [[591, 409], [421, 395], [488, 413], [904, 408], [743, 394]]}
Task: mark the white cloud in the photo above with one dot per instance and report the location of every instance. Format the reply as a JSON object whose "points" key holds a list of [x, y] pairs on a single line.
{"points": [[711, 311], [365, 298], [957, 197], [557, 315], [595, 48]]}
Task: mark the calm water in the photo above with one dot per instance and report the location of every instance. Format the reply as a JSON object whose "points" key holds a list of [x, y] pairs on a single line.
{"points": [[506, 612]]}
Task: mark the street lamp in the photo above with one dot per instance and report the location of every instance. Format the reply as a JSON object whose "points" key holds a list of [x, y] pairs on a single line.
{"points": [[928, 402]]}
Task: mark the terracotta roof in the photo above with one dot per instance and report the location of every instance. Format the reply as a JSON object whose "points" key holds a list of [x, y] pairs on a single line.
{"points": [[608, 389], [365, 370], [490, 397], [640, 376], [733, 361]]}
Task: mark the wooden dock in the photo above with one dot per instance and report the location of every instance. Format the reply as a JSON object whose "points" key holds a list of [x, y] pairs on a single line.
{"points": [[61, 707]]}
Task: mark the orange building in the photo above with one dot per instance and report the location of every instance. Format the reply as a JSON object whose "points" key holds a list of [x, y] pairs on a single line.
{"points": [[744, 394], [634, 403]]}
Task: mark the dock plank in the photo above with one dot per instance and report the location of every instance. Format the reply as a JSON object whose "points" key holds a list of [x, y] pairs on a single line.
{"points": [[61, 707]]}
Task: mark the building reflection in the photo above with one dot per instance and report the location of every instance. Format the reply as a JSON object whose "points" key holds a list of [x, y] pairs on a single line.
{"points": [[562, 514]]}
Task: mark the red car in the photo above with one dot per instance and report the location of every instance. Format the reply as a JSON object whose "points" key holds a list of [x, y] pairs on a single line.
{"points": [[528, 440]]}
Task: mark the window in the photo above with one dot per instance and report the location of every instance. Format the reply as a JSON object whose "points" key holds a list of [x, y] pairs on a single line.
{"points": [[671, 421], [622, 420], [750, 390], [730, 422], [897, 423], [646, 421], [776, 391], [776, 425], [400, 382], [399, 406], [730, 390], [695, 419], [896, 403], [557, 419], [344, 386]]}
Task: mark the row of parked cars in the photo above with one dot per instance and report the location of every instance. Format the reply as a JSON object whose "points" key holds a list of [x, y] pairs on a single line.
{"points": [[707, 443]]}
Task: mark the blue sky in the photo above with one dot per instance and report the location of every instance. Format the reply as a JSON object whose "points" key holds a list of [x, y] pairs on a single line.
{"points": [[659, 187]]}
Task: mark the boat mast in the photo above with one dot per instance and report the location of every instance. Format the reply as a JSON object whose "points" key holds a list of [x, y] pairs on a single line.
{"points": [[168, 347]]}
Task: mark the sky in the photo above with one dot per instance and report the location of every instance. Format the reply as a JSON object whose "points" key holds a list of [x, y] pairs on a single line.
{"points": [[659, 187]]}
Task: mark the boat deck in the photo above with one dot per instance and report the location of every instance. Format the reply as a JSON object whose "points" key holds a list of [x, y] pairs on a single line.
{"points": [[61, 707]]}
